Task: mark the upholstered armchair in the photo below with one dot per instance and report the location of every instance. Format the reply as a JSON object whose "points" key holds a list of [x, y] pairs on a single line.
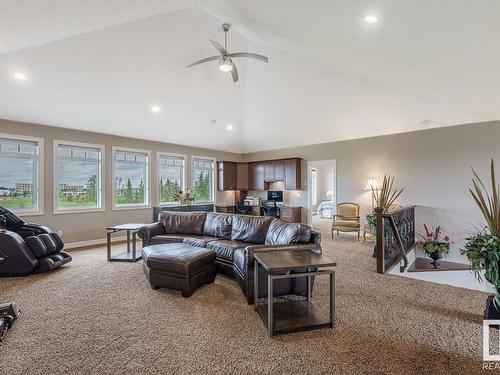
{"points": [[347, 218]]}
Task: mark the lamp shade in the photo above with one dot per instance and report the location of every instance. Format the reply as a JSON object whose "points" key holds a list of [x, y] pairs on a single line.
{"points": [[371, 184]]}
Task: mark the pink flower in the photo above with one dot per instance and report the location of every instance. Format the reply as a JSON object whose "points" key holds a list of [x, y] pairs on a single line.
{"points": [[446, 238]]}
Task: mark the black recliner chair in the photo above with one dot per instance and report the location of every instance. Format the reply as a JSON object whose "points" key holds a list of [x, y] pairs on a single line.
{"points": [[27, 248]]}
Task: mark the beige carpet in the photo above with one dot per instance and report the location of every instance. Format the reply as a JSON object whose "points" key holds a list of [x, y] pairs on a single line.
{"points": [[95, 317]]}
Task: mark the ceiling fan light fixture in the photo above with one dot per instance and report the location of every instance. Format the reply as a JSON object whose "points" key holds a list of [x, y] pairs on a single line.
{"points": [[226, 64], [225, 61]]}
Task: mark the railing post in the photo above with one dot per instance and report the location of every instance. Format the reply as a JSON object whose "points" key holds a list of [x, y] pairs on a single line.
{"points": [[380, 239]]}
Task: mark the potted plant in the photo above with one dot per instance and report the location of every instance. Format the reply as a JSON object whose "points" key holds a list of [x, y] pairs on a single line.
{"points": [[483, 248], [371, 220], [188, 197], [185, 197], [435, 245], [383, 199], [178, 196], [386, 196]]}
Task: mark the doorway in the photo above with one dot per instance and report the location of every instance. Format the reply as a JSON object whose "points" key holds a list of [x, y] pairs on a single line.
{"points": [[322, 193]]}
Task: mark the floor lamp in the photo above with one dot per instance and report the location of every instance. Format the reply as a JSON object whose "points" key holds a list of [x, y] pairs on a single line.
{"points": [[372, 186]]}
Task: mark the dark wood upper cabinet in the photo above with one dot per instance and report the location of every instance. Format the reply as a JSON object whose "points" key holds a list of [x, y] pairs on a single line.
{"points": [[242, 176], [261, 173], [279, 170], [256, 174], [226, 177], [293, 175], [269, 171]]}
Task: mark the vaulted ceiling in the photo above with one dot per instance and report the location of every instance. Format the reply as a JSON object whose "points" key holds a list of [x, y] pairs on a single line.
{"points": [[101, 65]]}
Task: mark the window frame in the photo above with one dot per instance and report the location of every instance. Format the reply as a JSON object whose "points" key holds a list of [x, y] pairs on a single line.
{"points": [[159, 154], [40, 176], [147, 190], [214, 161], [314, 185], [55, 186]]}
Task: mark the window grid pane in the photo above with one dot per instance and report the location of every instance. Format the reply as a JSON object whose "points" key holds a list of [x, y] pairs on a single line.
{"points": [[171, 177], [131, 178], [19, 178], [203, 177], [78, 178]]}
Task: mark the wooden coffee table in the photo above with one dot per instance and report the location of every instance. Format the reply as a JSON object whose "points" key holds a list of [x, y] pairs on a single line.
{"points": [[294, 315], [128, 256]]}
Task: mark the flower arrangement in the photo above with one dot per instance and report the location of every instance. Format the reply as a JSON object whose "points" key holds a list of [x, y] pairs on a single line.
{"points": [[483, 248], [483, 251], [434, 243], [187, 196]]}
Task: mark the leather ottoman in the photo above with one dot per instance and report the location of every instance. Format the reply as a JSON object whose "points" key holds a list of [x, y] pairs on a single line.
{"points": [[178, 266]]}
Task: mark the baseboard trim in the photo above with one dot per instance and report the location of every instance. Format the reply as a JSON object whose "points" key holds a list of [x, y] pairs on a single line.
{"points": [[89, 243]]}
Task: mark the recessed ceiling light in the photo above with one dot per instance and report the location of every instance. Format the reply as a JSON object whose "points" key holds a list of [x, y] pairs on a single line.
{"points": [[371, 19], [229, 127], [155, 109], [20, 76]]}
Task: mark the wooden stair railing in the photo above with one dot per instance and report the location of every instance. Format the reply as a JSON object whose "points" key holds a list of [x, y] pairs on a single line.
{"points": [[395, 237]]}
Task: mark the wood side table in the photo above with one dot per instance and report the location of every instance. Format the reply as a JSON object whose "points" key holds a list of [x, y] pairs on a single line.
{"points": [[131, 254], [296, 315]]}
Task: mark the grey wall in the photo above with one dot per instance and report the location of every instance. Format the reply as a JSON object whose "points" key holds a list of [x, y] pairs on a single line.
{"points": [[78, 227], [433, 166]]}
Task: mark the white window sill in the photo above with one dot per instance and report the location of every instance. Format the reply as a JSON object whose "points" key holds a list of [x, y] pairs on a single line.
{"points": [[25, 213], [82, 211], [124, 208]]}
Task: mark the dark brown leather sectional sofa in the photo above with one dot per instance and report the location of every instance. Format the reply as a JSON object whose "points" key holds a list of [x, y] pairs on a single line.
{"points": [[234, 239]]}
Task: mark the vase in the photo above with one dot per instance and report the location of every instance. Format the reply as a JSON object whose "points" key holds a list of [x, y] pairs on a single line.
{"points": [[435, 256]]}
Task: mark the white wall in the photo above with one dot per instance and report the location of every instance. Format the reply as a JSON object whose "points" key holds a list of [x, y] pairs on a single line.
{"points": [[325, 180], [293, 100]]}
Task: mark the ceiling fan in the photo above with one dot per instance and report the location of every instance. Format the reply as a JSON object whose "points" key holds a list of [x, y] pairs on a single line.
{"points": [[226, 63]]}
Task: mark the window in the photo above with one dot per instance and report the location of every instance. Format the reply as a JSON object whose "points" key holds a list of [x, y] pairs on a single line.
{"points": [[171, 176], [20, 171], [77, 177], [131, 178], [203, 179]]}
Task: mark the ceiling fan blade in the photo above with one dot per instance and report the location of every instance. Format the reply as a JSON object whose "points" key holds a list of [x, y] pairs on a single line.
{"points": [[219, 47], [250, 55], [212, 58], [234, 73]]}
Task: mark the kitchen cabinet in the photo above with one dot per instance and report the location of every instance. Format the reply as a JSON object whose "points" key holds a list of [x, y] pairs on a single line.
{"points": [[279, 170], [225, 209], [226, 176], [293, 175], [269, 171], [291, 214], [257, 176], [242, 176], [286, 170]]}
